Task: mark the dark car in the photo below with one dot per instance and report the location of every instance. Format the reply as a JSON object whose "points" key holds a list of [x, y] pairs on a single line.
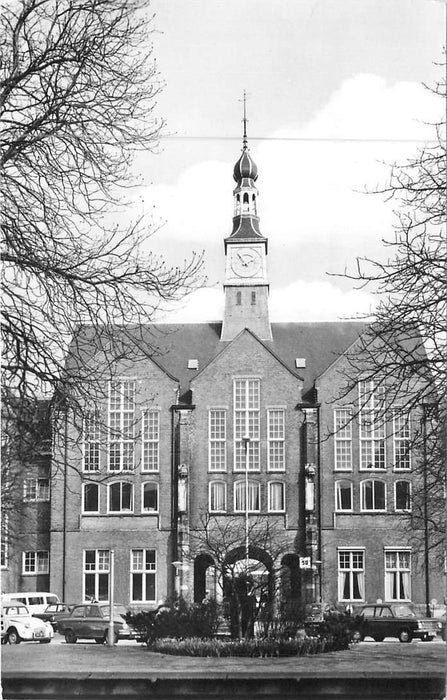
{"points": [[53, 612], [395, 620], [91, 621]]}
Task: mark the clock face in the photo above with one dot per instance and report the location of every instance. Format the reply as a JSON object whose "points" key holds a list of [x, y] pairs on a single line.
{"points": [[246, 262]]}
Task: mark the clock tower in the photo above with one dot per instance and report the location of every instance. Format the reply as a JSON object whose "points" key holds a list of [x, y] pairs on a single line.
{"points": [[246, 286]]}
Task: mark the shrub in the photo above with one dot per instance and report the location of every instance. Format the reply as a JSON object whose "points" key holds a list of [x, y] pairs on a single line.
{"points": [[337, 627], [261, 648], [177, 621]]}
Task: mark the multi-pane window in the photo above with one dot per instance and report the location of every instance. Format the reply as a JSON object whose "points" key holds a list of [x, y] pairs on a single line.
{"points": [[343, 439], [151, 441], [35, 490], [397, 575], [120, 497], [276, 439], [402, 495], [217, 440], [351, 575], [143, 573], [217, 497], [254, 497], [276, 498], [343, 496], [91, 442], [150, 497], [372, 425], [90, 498], [401, 435], [246, 424], [373, 495], [4, 554], [35, 562], [96, 574], [121, 425]]}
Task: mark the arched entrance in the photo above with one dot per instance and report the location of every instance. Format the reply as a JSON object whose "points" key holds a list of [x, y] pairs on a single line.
{"points": [[249, 590]]}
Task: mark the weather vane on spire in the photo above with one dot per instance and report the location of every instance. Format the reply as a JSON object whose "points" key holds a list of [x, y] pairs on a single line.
{"points": [[244, 99]]}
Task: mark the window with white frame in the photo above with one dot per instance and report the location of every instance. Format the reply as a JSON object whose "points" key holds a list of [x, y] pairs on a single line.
{"points": [[402, 495], [36, 490], [276, 439], [120, 497], [254, 497], [397, 574], [4, 553], [401, 439], [35, 562], [276, 497], [246, 424], [217, 419], [91, 441], [151, 441], [149, 497], [351, 575], [343, 496], [373, 495], [121, 425], [343, 439], [372, 425], [96, 574], [217, 497], [90, 498], [143, 564]]}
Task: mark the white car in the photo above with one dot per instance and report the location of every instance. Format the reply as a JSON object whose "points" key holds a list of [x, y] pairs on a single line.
{"points": [[18, 625]]}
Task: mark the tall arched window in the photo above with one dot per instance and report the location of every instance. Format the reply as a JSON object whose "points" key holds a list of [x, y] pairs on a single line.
{"points": [[120, 497], [217, 497], [402, 495], [254, 497], [343, 496], [149, 498], [373, 495]]}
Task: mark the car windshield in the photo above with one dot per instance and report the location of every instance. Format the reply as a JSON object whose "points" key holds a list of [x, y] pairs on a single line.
{"points": [[403, 611], [118, 610]]}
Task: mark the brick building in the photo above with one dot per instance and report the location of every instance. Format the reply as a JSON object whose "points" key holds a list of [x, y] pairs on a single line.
{"points": [[243, 421]]}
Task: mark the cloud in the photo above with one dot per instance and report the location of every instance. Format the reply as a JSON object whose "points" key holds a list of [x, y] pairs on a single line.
{"points": [[313, 204], [299, 301]]}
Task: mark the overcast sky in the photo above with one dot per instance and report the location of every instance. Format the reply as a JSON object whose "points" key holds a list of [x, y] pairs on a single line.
{"points": [[335, 93]]}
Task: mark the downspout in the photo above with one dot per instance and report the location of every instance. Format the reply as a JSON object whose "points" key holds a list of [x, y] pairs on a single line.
{"points": [[318, 503], [64, 515]]}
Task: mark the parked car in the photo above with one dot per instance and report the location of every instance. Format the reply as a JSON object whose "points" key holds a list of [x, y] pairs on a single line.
{"points": [[53, 612], [316, 614], [18, 625], [91, 621], [395, 620], [35, 601]]}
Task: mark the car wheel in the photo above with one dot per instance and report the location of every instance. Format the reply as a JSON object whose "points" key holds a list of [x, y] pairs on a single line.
{"points": [[13, 636], [427, 638], [70, 637], [99, 640], [44, 641], [405, 636], [357, 636], [443, 635], [378, 638]]}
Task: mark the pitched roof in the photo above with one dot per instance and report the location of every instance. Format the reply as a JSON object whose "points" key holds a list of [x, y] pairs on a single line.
{"points": [[172, 345]]}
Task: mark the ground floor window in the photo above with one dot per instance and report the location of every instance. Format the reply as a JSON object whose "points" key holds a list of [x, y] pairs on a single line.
{"points": [[35, 562], [143, 564], [351, 575], [397, 575], [96, 574]]}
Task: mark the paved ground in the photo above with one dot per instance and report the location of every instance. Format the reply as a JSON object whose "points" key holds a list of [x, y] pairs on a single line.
{"points": [[368, 661]]}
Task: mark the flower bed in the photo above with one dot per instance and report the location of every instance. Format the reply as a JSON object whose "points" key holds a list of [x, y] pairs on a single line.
{"points": [[260, 648]]}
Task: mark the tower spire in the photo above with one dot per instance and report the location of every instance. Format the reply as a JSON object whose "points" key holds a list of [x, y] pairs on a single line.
{"points": [[244, 141]]}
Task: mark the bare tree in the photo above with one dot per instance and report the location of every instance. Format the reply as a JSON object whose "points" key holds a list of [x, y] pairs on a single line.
{"points": [[249, 579], [77, 97], [404, 349], [78, 93]]}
